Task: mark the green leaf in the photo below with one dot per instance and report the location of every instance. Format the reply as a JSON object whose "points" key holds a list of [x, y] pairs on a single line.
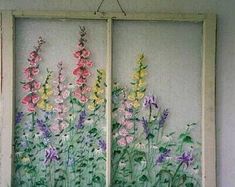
{"points": [[162, 149], [143, 178], [188, 139], [150, 136], [189, 184], [93, 130]]}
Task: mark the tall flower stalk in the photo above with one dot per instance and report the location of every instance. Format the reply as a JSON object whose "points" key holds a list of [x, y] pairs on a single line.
{"points": [[45, 92], [61, 94], [98, 97], [31, 85], [81, 71], [138, 83]]}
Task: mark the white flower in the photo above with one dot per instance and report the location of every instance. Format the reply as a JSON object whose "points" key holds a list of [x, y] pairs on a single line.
{"points": [[166, 139], [65, 137]]}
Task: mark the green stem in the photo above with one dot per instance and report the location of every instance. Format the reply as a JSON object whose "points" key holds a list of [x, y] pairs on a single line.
{"points": [[176, 171]]}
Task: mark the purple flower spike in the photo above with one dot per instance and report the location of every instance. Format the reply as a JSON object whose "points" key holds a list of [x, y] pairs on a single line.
{"points": [[145, 126], [19, 117], [102, 145], [43, 128], [81, 120], [50, 155], [162, 157], [150, 101], [186, 158], [163, 118]]}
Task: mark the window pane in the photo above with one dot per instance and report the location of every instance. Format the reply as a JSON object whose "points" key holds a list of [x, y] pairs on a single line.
{"points": [[60, 104], [156, 104]]}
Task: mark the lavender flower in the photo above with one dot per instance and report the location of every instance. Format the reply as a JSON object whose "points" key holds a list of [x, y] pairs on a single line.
{"points": [[163, 118], [19, 117], [150, 101], [50, 155], [145, 126], [162, 157], [102, 145], [186, 158], [43, 128], [81, 120]]}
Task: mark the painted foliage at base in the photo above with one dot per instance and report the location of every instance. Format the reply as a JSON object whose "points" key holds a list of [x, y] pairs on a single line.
{"points": [[60, 125], [143, 153]]}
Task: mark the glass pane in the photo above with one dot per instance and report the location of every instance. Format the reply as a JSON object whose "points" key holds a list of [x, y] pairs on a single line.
{"points": [[156, 122], [60, 103]]}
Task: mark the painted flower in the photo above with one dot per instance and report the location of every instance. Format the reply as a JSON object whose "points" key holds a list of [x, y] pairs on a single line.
{"points": [[150, 101], [81, 71], [138, 83], [186, 158], [45, 92], [97, 96], [163, 118], [81, 120], [102, 145], [163, 156], [60, 108], [145, 126], [32, 85], [43, 128], [51, 154], [19, 117], [124, 141]]}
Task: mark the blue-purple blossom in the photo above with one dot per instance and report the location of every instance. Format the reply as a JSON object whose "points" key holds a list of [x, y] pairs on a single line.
{"points": [[81, 120], [162, 157], [186, 158], [150, 101], [145, 126], [163, 118], [51, 155], [71, 161], [19, 117], [43, 128], [102, 145]]}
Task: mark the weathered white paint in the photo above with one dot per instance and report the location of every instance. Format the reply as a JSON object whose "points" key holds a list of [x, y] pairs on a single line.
{"points": [[208, 106], [225, 90]]}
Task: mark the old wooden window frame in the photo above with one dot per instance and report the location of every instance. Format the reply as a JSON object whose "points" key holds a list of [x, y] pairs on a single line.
{"points": [[7, 19]]}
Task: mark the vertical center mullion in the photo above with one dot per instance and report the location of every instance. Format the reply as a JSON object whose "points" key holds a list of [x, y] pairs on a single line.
{"points": [[109, 102]]}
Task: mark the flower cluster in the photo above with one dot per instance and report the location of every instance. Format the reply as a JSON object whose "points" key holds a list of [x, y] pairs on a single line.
{"points": [[163, 156], [138, 83], [127, 124], [60, 108], [19, 117], [163, 118], [81, 120], [51, 155], [150, 101], [43, 129], [45, 92], [32, 85], [97, 96], [186, 158], [81, 71]]}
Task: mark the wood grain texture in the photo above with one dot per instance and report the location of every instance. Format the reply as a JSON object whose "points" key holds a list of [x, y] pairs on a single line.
{"points": [[7, 98], [109, 102], [208, 102]]}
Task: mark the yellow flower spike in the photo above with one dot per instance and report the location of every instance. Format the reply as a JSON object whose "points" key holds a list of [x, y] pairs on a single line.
{"points": [[97, 95], [136, 104], [25, 159], [140, 95], [138, 83], [91, 107], [48, 107], [44, 92]]}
